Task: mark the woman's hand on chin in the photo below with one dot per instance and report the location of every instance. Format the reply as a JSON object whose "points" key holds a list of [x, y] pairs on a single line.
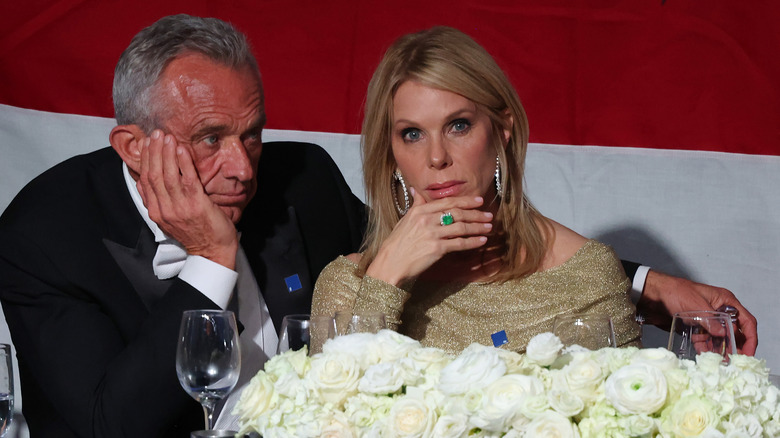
{"points": [[419, 239]]}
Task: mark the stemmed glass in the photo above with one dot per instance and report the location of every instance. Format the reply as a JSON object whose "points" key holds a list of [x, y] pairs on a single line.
{"points": [[208, 357], [305, 330], [348, 322], [701, 331], [590, 330], [6, 389]]}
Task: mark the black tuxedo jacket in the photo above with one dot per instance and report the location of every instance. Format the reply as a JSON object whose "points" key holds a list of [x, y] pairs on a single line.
{"points": [[95, 330]]}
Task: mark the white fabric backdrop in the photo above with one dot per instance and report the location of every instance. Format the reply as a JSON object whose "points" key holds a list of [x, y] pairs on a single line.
{"points": [[711, 217]]}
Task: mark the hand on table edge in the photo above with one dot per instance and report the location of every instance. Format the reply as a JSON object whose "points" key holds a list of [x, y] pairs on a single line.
{"points": [[665, 295]]}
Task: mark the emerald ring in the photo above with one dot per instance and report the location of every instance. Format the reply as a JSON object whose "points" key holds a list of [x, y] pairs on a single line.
{"points": [[446, 219]]}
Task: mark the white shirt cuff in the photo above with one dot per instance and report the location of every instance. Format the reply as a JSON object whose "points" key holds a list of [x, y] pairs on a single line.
{"points": [[638, 286], [211, 279]]}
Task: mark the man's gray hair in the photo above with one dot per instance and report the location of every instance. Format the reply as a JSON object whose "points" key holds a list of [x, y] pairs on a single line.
{"points": [[153, 48]]}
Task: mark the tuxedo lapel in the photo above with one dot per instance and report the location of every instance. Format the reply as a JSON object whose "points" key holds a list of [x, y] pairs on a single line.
{"points": [[279, 262], [136, 263], [126, 236]]}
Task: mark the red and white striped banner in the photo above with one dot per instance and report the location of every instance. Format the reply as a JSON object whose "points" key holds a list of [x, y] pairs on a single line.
{"points": [[676, 74]]}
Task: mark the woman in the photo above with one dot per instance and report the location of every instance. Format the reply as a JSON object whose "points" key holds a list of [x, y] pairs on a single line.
{"points": [[455, 252]]}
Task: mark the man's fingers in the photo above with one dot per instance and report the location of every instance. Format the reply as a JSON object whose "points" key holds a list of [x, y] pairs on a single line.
{"points": [[188, 171], [170, 166], [748, 337]]}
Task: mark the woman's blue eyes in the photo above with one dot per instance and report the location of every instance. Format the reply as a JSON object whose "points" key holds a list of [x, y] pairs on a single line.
{"points": [[413, 134], [460, 125], [410, 134]]}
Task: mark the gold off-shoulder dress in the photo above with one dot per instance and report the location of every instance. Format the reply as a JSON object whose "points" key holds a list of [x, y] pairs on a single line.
{"points": [[451, 316]]}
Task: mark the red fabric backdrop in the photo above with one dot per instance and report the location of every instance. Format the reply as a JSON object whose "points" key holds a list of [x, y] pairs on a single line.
{"points": [[690, 74]]}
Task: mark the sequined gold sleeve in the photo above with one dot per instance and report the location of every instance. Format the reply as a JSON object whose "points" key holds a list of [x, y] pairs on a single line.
{"points": [[339, 288], [451, 315]]}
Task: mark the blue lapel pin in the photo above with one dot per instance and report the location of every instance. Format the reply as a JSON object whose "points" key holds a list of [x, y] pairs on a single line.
{"points": [[293, 283], [499, 338]]}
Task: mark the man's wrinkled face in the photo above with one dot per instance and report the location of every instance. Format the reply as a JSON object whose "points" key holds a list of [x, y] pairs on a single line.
{"points": [[217, 113]]}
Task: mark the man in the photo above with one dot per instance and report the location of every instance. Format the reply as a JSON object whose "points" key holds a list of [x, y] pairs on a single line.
{"points": [[81, 263], [100, 255]]}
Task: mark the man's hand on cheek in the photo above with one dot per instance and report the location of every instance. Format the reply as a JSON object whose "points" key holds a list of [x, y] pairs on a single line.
{"points": [[173, 194]]}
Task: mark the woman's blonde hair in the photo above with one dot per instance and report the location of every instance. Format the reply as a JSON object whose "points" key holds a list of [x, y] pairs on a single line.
{"points": [[447, 59]]}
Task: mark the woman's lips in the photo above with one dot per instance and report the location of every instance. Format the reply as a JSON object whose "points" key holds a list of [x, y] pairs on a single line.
{"points": [[445, 189]]}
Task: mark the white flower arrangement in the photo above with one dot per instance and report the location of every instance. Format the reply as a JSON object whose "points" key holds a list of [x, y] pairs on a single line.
{"points": [[388, 385]]}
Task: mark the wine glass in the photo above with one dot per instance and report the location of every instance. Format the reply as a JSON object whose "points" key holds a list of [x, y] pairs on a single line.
{"points": [[348, 322], [208, 357], [305, 330], [589, 330], [6, 389], [701, 331]]}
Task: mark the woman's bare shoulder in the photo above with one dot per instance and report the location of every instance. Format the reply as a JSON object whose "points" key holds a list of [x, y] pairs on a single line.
{"points": [[564, 243]]}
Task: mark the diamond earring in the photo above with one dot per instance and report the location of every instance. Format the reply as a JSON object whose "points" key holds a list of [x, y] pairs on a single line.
{"points": [[397, 177]]}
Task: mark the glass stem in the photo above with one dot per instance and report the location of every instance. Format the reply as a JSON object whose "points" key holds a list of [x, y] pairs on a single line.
{"points": [[208, 413]]}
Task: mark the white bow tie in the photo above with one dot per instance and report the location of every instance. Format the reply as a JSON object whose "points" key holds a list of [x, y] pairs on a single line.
{"points": [[169, 259]]}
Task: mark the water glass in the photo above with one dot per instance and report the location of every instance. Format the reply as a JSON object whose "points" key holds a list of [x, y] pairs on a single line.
{"points": [[302, 330], [208, 357], [348, 322], [589, 330], [6, 389], [702, 331]]}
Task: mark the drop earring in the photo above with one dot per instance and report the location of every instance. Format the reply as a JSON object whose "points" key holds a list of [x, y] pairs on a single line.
{"points": [[397, 177]]}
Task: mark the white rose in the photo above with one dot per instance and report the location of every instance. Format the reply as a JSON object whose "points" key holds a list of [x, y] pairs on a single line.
{"points": [[636, 389], [502, 399], [338, 427], [660, 358], [334, 376], [299, 360], [382, 378], [360, 346], [535, 405], [257, 398], [422, 366], [427, 359], [689, 417], [410, 417], [565, 403], [451, 426], [584, 376], [551, 424], [477, 367], [393, 345], [280, 365], [544, 348]]}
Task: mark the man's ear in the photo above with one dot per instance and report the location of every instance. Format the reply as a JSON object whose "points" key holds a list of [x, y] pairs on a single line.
{"points": [[127, 141]]}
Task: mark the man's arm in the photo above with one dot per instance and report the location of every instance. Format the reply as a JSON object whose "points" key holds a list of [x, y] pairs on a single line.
{"points": [[102, 379], [665, 295]]}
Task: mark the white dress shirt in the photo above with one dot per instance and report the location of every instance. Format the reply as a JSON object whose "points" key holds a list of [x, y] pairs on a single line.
{"points": [[258, 340]]}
